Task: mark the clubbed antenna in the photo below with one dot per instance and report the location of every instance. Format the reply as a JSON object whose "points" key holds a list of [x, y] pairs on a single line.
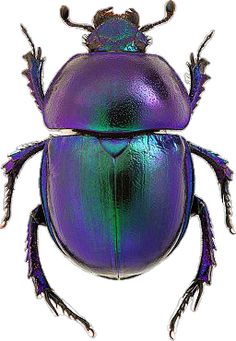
{"points": [[170, 9], [64, 12]]}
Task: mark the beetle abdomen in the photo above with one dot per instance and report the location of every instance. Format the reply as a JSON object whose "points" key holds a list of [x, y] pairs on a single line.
{"points": [[117, 92], [126, 202]]}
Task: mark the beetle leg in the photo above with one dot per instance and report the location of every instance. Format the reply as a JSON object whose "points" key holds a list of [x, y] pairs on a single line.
{"points": [[34, 71], [12, 169], [206, 264], [224, 175], [36, 272], [198, 76]]}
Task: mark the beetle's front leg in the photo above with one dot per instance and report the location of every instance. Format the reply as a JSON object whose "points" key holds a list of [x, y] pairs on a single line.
{"points": [[36, 272], [12, 169], [34, 71], [198, 76], [224, 175], [206, 264]]}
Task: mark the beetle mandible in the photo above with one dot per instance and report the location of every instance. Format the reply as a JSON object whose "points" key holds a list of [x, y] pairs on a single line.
{"points": [[117, 190]]}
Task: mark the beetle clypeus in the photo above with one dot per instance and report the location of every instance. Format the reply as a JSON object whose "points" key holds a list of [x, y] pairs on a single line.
{"points": [[117, 190]]}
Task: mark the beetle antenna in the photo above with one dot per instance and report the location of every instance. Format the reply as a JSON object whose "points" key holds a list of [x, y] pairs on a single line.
{"points": [[24, 30], [64, 12], [170, 9], [208, 37]]}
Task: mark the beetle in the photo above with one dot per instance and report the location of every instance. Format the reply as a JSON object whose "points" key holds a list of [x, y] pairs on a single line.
{"points": [[117, 189]]}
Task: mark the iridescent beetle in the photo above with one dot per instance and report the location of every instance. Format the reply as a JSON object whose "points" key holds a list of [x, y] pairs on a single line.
{"points": [[117, 190]]}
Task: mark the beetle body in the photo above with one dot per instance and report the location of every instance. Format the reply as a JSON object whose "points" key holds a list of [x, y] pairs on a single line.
{"points": [[117, 190], [116, 225]]}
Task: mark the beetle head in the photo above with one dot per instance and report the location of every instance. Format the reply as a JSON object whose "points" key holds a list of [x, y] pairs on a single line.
{"points": [[117, 32]]}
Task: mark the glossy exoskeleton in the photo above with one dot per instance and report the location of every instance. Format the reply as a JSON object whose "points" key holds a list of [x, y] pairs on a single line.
{"points": [[117, 190]]}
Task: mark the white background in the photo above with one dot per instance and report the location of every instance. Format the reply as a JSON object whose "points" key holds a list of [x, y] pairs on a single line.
{"points": [[137, 309]]}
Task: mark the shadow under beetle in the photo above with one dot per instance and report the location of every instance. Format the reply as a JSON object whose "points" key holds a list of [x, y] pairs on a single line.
{"points": [[117, 190]]}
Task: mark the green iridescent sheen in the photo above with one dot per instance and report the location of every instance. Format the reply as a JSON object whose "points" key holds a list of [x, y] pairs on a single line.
{"points": [[130, 47], [116, 30], [119, 191]]}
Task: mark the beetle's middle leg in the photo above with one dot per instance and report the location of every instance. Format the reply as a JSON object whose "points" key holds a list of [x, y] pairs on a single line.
{"points": [[224, 176], [12, 169], [36, 272], [206, 264]]}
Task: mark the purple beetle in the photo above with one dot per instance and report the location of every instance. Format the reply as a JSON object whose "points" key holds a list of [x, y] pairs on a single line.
{"points": [[117, 190]]}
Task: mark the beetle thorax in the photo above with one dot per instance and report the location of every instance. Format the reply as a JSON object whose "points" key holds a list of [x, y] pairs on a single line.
{"points": [[117, 92]]}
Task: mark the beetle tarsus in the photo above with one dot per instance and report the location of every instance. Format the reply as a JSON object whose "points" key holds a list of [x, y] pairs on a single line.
{"points": [[9, 187], [3, 224], [205, 41], [226, 198], [51, 297], [172, 334], [195, 288], [206, 264], [24, 30]]}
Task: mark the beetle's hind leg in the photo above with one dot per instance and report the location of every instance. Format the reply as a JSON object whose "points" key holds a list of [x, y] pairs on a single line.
{"points": [[36, 272], [206, 264]]}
